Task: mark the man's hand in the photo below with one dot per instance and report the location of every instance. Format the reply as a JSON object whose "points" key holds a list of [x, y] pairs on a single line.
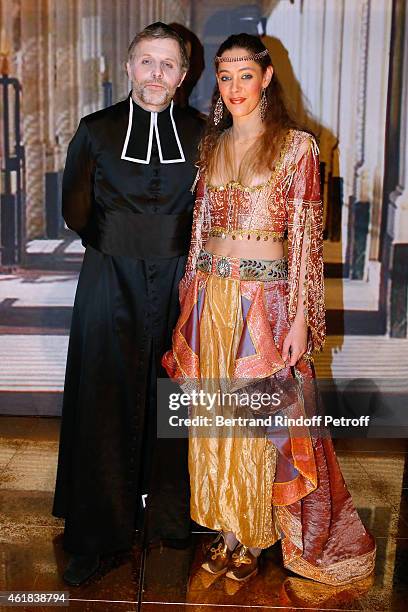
{"points": [[295, 343]]}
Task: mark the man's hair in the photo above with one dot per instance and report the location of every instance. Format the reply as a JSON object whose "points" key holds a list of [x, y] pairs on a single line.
{"points": [[160, 30]]}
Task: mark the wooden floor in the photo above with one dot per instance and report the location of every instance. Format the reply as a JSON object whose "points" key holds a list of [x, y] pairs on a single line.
{"points": [[167, 580], [35, 314]]}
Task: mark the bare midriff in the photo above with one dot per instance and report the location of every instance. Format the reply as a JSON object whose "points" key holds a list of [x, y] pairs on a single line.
{"points": [[245, 249]]}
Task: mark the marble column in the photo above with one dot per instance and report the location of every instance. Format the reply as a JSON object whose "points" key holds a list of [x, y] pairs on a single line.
{"points": [[64, 89], [89, 57], [338, 56], [33, 58]]}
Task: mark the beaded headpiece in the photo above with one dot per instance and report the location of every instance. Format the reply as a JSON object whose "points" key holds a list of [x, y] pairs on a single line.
{"points": [[242, 58]]}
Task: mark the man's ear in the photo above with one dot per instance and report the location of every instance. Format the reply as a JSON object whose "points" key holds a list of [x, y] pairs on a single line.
{"points": [[128, 70], [183, 76]]}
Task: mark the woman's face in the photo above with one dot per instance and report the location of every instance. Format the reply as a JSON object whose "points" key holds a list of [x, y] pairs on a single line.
{"points": [[241, 83]]}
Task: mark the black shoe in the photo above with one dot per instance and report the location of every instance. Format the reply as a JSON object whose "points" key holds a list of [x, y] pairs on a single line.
{"points": [[80, 568]]}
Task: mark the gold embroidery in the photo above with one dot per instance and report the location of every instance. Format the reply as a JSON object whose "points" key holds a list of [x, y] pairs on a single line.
{"points": [[338, 573], [221, 232], [291, 526], [239, 186], [288, 202], [220, 551], [241, 558]]}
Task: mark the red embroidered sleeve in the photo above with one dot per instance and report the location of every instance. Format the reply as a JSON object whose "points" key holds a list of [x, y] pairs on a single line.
{"points": [[199, 236], [305, 244]]}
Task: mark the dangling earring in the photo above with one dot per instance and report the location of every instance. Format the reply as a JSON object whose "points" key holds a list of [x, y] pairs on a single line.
{"points": [[263, 105], [218, 110]]}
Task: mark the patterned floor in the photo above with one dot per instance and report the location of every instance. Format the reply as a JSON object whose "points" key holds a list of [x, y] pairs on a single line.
{"points": [[31, 555], [35, 312]]}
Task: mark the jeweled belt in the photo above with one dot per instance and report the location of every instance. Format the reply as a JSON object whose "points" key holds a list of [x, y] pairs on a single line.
{"points": [[243, 269]]}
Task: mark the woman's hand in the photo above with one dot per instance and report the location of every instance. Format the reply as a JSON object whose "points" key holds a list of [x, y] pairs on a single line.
{"points": [[295, 343]]}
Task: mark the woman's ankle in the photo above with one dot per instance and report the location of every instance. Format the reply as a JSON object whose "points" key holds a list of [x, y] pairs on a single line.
{"points": [[230, 540]]}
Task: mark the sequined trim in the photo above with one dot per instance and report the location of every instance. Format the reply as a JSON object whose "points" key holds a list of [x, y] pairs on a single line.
{"points": [[341, 572], [289, 525], [194, 185], [269, 476], [338, 573], [242, 234], [219, 59], [240, 186]]}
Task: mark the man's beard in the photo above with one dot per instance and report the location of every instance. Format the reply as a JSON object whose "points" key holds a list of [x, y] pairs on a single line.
{"points": [[158, 97]]}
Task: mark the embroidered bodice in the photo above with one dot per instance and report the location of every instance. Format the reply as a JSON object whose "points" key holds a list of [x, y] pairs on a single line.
{"points": [[244, 213], [287, 205], [256, 213]]}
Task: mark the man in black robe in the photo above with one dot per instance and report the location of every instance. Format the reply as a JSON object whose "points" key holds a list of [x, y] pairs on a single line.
{"points": [[126, 192]]}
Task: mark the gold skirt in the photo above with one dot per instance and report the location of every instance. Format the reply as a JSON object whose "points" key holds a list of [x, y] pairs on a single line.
{"points": [[281, 482], [231, 475]]}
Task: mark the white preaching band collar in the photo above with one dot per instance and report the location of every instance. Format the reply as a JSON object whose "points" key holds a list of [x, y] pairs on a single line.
{"points": [[153, 128]]}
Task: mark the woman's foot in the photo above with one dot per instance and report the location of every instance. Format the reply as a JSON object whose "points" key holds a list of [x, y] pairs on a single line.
{"points": [[244, 564], [217, 557]]}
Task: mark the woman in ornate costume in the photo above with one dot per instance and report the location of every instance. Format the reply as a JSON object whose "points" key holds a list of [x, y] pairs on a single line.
{"points": [[250, 319]]}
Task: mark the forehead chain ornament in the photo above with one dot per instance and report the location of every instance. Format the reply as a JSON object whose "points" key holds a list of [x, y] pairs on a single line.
{"points": [[219, 58]]}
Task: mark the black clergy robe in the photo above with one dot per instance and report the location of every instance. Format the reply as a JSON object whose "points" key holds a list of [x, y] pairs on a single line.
{"points": [[126, 192]]}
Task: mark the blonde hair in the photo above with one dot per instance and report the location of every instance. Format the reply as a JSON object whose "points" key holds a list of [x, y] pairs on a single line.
{"points": [[160, 30]]}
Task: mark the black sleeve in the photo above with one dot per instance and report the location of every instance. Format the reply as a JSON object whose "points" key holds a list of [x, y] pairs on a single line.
{"points": [[77, 181]]}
